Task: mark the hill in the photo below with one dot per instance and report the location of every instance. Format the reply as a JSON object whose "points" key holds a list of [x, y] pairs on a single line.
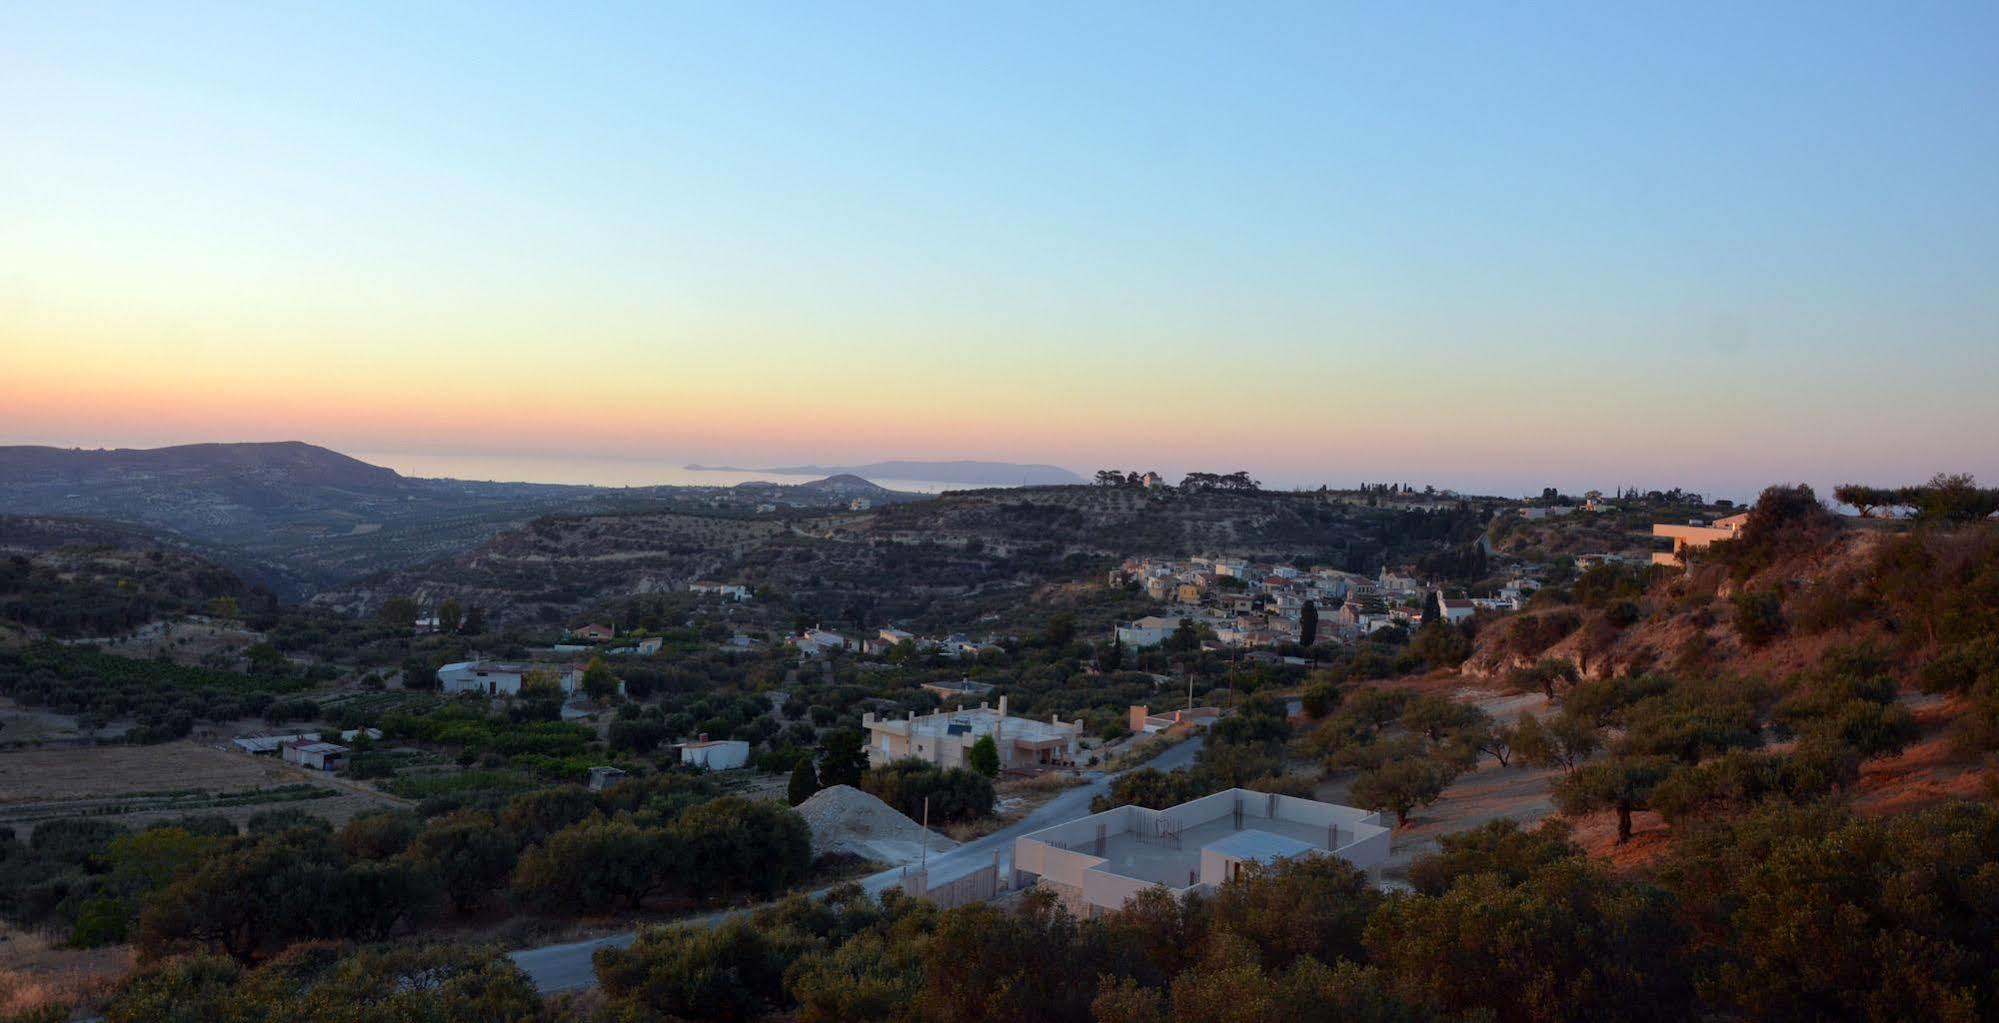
{"points": [[301, 518], [284, 462], [964, 472], [949, 560], [1879, 634]]}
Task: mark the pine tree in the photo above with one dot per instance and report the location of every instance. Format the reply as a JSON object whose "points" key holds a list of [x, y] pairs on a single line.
{"points": [[804, 781]]}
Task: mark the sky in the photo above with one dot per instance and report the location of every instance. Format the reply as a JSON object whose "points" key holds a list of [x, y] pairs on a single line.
{"points": [[1488, 246]]}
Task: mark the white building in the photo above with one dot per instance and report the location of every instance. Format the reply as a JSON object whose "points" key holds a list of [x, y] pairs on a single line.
{"points": [[816, 642], [1149, 631], [733, 591], [715, 754], [1096, 864], [944, 737], [495, 678], [1453, 609], [265, 745]]}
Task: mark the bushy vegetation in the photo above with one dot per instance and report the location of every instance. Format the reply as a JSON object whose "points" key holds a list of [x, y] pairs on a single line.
{"points": [[953, 794], [164, 699]]}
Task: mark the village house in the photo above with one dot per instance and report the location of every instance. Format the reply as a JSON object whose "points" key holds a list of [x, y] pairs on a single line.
{"points": [[1149, 631], [646, 647], [818, 642], [960, 689], [944, 738], [592, 632], [1454, 609], [497, 678], [959, 647], [731, 591], [1393, 585]]}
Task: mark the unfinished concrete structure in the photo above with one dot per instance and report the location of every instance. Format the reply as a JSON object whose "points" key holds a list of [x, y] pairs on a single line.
{"points": [[1141, 719], [945, 737], [1098, 863]]}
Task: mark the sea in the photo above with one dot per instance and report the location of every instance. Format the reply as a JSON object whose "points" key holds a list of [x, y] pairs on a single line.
{"points": [[605, 472]]}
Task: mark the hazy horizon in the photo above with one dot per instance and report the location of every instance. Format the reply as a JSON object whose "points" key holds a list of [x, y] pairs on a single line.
{"points": [[623, 470], [1492, 248]]}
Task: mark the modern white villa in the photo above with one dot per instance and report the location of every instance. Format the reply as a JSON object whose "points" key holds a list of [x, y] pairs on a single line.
{"points": [[1098, 863]]}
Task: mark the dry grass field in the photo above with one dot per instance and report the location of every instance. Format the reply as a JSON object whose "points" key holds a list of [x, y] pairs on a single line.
{"points": [[138, 785]]}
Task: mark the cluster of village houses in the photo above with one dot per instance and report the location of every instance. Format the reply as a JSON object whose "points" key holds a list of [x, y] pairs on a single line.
{"points": [[1250, 604], [818, 642]]}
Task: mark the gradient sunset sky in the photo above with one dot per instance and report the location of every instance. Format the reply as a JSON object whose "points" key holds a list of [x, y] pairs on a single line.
{"points": [[1492, 246]]}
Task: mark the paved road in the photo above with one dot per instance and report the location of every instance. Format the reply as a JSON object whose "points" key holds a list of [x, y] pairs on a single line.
{"points": [[567, 967]]}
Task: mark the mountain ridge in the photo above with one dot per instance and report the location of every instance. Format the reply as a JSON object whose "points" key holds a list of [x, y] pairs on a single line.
{"points": [[956, 471]]}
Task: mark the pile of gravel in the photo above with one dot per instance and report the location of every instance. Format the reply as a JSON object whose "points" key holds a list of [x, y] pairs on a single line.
{"points": [[844, 819]]}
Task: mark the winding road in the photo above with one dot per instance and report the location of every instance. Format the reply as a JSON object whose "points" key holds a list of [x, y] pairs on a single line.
{"points": [[567, 967]]}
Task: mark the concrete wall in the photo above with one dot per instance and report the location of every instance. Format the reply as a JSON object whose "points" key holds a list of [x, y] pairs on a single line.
{"points": [[1053, 864], [1110, 891], [979, 884], [1369, 850]]}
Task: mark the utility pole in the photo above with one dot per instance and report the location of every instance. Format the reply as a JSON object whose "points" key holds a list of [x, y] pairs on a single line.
{"points": [[924, 864]]}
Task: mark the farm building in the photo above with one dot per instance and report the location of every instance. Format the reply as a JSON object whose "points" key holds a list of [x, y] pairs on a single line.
{"points": [[320, 756], [269, 745]]}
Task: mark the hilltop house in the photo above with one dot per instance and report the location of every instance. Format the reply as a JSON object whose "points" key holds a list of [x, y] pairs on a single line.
{"points": [[592, 631], [1696, 536]]}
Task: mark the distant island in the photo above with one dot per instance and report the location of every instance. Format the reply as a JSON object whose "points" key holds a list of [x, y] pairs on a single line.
{"points": [[1006, 473]]}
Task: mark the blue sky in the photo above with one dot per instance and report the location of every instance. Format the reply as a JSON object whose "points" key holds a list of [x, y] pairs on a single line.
{"points": [[1480, 244]]}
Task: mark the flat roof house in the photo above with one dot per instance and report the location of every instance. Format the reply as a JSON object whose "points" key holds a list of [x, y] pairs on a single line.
{"points": [[944, 738], [495, 678], [1096, 864]]}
